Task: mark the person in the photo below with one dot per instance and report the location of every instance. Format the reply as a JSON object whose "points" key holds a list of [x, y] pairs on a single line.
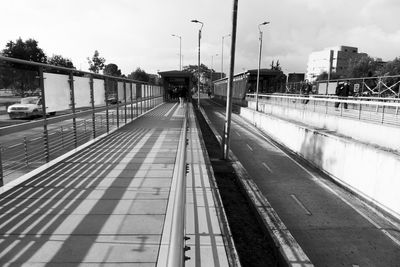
{"points": [[342, 91], [182, 96], [209, 93], [307, 91]]}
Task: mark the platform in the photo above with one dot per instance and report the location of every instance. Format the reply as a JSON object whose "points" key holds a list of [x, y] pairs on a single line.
{"points": [[106, 205]]}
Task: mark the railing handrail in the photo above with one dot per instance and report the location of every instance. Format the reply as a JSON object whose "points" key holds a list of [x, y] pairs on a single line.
{"points": [[176, 255], [337, 99], [38, 64]]}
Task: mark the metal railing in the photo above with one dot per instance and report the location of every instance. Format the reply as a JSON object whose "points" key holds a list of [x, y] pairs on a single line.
{"points": [[380, 86], [176, 250], [384, 111], [28, 145]]}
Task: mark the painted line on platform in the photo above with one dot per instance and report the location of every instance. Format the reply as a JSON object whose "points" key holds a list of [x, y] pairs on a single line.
{"points": [[301, 204], [267, 167], [170, 110], [251, 149]]}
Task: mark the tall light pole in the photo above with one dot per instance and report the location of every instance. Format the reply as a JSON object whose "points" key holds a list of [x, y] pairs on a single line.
{"points": [[259, 61], [211, 70], [222, 55], [198, 82], [180, 50], [229, 90]]}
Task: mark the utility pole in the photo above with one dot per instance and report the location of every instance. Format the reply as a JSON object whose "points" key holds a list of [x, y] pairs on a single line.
{"points": [[227, 124]]}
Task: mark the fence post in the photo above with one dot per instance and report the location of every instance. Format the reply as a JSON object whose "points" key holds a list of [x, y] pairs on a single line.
{"points": [[26, 151], [92, 103], [107, 108], [1, 166], [131, 99], [125, 102], [117, 95], [45, 131], [72, 103]]}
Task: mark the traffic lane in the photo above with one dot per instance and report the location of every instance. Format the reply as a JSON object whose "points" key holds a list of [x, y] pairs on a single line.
{"points": [[329, 230]]}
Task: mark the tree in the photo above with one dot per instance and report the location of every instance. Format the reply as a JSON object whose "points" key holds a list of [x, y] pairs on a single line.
{"points": [[58, 60], [112, 70], [365, 66], [390, 68], [324, 76], [96, 63], [28, 50], [277, 66], [204, 73], [139, 75]]}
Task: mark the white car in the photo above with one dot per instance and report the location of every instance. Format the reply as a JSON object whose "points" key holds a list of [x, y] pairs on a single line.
{"points": [[28, 107]]}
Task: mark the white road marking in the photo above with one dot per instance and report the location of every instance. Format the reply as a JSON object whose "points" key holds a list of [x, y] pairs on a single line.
{"points": [[170, 110], [301, 204], [267, 167], [251, 149]]}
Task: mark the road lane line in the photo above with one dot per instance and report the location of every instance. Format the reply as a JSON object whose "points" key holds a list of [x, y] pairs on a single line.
{"points": [[267, 167], [251, 149], [300, 204]]}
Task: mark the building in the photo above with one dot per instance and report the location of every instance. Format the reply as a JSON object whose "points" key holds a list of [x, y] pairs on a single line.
{"points": [[331, 60], [295, 77]]}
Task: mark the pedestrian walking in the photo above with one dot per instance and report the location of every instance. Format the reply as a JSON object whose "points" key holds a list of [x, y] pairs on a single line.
{"points": [[342, 91]]}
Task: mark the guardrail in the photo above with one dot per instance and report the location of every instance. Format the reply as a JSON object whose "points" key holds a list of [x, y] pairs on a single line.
{"points": [[176, 250], [366, 109], [26, 146]]}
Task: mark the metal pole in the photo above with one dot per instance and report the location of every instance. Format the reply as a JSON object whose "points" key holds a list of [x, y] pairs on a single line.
{"points": [[180, 53], [92, 103], [227, 124], [198, 74], [258, 70], [45, 132], [259, 62], [72, 101]]}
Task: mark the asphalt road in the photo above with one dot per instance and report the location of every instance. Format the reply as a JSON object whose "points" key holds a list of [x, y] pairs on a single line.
{"points": [[333, 227]]}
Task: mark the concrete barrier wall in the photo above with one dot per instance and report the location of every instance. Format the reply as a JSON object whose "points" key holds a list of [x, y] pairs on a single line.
{"points": [[382, 135], [367, 170]]}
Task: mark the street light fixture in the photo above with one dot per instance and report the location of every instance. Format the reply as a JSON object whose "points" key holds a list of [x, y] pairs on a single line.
{"points": [[259, 61], [222, 55], [180, 50], [198, 81]]}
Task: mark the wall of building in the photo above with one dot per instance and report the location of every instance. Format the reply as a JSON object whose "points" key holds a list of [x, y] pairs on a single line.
{"points": [[367, 170]]}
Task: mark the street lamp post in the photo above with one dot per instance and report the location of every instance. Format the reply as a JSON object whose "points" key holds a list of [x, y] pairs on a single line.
{"points": [[222, 55], [198, 82], [259, 62], [180, 50], [211, 70]]}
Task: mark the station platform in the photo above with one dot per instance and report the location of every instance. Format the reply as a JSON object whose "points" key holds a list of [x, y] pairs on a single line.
{"points": [[106, 205]]}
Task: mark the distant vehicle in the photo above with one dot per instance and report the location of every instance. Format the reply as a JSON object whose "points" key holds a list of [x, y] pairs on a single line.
{"points": [[28, 107]]}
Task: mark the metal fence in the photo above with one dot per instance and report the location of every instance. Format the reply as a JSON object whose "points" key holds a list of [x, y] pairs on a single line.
{"points": [[382, 110], [110, 102], [382, 86]]}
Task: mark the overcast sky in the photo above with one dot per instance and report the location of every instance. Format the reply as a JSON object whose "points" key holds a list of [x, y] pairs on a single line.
{"points": [[133, 33]]}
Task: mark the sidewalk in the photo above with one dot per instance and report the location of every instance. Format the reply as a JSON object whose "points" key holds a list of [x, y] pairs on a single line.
{"points": [[106, 205]]}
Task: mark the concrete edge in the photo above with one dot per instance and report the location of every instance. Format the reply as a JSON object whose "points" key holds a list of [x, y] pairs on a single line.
{"points": [[23, 178], [233, 256], [290, 250]]}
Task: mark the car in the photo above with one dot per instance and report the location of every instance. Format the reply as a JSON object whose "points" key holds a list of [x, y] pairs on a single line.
{"points": [[113, 101], [28, 107]]}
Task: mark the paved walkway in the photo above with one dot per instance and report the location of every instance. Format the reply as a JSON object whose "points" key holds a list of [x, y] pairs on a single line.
{"points": [[107, 204]]}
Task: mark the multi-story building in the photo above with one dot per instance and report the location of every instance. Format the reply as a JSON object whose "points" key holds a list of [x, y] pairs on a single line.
{"points": [[331, 60]]}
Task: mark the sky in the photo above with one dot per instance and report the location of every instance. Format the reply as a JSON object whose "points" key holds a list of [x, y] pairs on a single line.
{"points": [[133, 33]]}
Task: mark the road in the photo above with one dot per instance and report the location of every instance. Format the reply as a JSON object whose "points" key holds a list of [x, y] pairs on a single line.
{"points": [[333, 227]]}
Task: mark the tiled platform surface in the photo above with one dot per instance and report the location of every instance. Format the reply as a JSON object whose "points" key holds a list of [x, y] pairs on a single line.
{"points": [[105, 206]]}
